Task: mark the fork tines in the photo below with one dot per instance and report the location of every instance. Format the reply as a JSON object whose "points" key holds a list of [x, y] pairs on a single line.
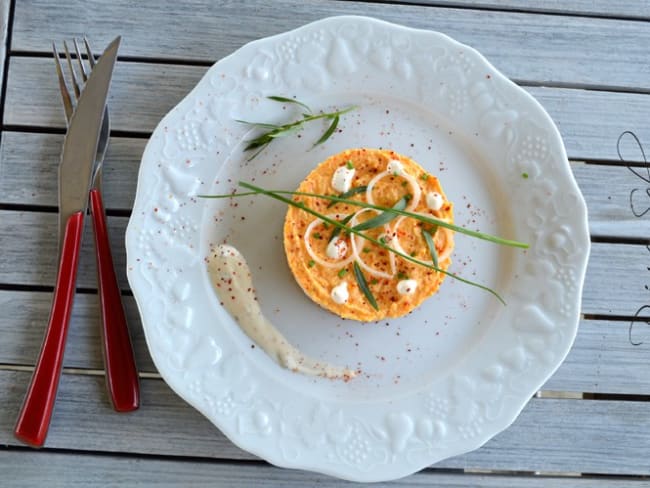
{"points": [[77, 86]]}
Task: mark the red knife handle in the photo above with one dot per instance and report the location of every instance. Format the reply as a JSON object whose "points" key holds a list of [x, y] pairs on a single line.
{"points": [[121, 373], [34, 418]]}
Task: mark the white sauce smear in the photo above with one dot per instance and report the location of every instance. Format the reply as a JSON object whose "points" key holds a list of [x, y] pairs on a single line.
{"points": [[232, 280]]}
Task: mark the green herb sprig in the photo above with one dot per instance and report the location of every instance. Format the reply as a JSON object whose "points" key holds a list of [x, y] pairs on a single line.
{"points": [[382, 218], [337, 231], [428, 238], [275, 131], [278, 195], [422, 218], [363, 285], [351, 192]]}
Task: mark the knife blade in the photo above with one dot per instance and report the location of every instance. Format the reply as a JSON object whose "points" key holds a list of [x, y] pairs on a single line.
{"points": [[75, 179], [80, 145]]}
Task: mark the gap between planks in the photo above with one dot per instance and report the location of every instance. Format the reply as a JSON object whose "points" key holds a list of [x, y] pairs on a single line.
{"points": [[517, 7], [74, 371]]}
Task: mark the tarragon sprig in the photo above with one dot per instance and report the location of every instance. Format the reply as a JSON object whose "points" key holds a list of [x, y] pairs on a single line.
{"points": [[278, 195], [363, 285], [394, 210], [361, 234], [275, 131]]}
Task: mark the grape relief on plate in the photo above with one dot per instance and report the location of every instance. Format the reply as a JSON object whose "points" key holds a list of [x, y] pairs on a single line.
{"points": [[447, 418]]}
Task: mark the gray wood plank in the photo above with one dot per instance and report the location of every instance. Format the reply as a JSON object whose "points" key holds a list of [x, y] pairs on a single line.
{"points": [[24, 155], [29, 254], [548, 49], [24, 317], [142, 93], [37, 265], [616, 280], [29, 169], [607, 192], [602, 359], [26, 469], [591, 121], [550, 435], [4, 31], [629, 9]]}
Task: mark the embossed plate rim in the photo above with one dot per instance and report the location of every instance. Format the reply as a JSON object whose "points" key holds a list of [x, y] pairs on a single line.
{"points": [[412, 432]]}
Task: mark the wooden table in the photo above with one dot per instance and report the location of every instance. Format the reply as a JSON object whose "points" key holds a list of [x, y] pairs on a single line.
{"points": [[586, 61]]}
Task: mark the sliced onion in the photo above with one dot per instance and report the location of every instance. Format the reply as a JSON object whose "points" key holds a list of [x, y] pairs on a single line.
{"points": [[372, 184], [396, 244], [449, 239], [314, 256], [391, 256], [446, 252], [413, 183], [355, 251], [417, 192]]}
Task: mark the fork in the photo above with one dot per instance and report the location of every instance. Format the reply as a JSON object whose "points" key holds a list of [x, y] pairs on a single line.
{"points": [[121, 373]]}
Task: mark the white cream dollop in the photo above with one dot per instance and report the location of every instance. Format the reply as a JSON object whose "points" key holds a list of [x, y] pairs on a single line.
{"points": [[336, 249], [340, 293], [434, 200], [342, 179], [406, 287], [395, 167]]}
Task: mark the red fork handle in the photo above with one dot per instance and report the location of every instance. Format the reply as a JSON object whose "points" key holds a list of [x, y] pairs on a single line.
{"points": [[121, 373], [36, 412]]}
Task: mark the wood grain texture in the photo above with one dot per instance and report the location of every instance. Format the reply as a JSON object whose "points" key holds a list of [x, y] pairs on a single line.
{"points": [[602, 359], [616, 280], [32, 468], [590, 122], [4, 30], [607, 192], [541, 48], [28, 176], [628, 9], [29, 169], [24, 317], [38, 266], [142, 93], [549, 435], [29, 254]]}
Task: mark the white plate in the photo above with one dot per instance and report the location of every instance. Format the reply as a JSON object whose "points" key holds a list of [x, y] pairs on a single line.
{"points": [[437, 383]]}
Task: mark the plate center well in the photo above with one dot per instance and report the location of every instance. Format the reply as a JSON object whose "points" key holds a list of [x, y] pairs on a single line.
{"points": [[398, 355]]}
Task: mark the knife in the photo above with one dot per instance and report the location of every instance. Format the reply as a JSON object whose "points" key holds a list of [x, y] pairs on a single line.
{"points": [[75, 177], [121, 372]]}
